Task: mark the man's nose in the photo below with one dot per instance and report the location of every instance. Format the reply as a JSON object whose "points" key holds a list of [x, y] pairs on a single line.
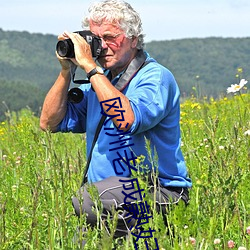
{"points": [[104, 44]]}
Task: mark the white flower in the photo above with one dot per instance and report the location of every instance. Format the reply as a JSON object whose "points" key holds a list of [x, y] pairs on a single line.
{"points": [[22, 210], [237, 87], [242, 248], [246, 133], [217, 241]]}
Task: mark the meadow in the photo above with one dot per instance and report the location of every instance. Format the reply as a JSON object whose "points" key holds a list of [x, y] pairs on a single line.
{"points": [[40, 172]]}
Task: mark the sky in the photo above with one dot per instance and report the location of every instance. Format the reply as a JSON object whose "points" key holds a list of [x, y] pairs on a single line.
{"points": [[162, 19]]}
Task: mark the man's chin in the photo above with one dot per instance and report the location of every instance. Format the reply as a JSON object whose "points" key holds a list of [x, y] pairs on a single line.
{"points": [[105, 63]]}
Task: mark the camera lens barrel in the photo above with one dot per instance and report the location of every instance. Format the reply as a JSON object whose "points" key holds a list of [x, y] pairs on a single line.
{"points": [[65, 48], [75, 95]]}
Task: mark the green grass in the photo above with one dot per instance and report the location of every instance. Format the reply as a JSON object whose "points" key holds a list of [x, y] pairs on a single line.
{"points": [[40, 172]]}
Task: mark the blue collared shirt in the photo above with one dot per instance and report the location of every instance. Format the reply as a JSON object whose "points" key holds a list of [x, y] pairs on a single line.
{"points": [[154, 98]]}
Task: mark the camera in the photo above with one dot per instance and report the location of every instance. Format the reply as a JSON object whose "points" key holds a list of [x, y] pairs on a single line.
{"points": [[65, 48]]}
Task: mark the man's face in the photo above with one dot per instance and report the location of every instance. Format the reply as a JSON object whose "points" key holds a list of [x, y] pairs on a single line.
{"points": [[118, 50]]}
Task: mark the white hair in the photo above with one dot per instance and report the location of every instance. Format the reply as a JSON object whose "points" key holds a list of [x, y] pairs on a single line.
{"points": [[120, 13]]}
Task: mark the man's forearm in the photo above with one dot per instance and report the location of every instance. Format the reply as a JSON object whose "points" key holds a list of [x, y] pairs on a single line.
{"points": [[106, 91], [55, 103]]}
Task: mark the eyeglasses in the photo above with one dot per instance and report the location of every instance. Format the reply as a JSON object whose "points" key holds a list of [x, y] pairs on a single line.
{"points": [[110, 38]]}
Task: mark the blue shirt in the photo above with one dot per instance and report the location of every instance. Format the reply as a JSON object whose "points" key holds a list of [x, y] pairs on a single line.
{"points": [[154, 98]]}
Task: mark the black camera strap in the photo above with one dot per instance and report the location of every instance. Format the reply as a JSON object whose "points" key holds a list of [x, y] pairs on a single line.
{"points": [[136, 64]]}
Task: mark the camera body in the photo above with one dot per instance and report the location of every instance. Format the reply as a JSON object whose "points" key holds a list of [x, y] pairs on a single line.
{"points": [[65, 48]]}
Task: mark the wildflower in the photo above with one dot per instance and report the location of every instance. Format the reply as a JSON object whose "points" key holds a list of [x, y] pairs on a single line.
{"points": [[195, 106], [221, 147], [192, 240], [242, 248], [248, 230], [237, 87], [240, 70], [230, 244], [14, 188], [198, 182], [45, 216], [139, 159], [247, 133], [22, 210], [216, 241]]}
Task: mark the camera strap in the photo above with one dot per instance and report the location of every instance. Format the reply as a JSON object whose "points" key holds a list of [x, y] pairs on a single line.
{"points": [[136, 64]]}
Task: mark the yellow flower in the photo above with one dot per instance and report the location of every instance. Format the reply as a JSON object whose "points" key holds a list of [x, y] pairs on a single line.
{"points": [[240, 70], [195, 105]]}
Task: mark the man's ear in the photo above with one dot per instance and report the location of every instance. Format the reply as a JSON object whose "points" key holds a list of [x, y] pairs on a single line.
{"points": [[134, 42]]}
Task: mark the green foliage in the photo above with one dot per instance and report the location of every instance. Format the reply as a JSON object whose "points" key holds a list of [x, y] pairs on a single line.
{"points": [[28, 58], [36, 184], [40, 172], [204, 67], [14, 95], [208, 62], [28, 68]]}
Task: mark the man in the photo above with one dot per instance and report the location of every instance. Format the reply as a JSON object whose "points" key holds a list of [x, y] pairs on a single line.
{"points": [[139, 99]]}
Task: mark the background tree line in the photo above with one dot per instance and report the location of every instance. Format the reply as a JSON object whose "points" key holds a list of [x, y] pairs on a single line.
{"points": [[204, 67]]}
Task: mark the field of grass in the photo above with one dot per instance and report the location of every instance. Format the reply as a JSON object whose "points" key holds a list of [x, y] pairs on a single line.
{"points": [[40, 172]]}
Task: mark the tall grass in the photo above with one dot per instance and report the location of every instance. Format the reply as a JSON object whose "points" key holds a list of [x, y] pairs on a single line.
{"points": [[40, 172]]}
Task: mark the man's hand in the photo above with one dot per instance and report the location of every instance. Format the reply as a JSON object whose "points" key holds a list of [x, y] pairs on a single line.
{"points": [[66, 63], [83, 54]]}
